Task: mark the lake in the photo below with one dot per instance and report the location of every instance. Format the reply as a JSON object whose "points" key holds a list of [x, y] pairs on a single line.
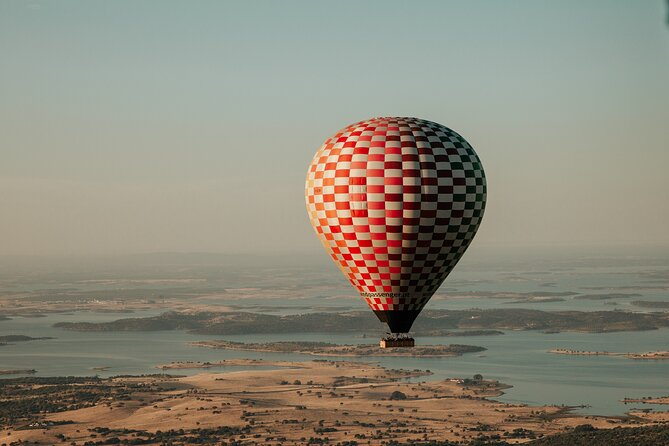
{"points": [[518, 358]]}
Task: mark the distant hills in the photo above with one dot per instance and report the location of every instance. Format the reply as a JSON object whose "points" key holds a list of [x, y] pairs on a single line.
{"points": [[430, 323]]}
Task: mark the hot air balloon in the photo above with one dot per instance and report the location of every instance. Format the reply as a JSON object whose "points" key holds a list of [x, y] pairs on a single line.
{"points": [[396, 201]]}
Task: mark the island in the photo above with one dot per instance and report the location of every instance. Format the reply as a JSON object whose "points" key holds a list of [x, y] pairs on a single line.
{"points": [[660, 304], [20, 338], [429, 323], [319, 402], [658, 355], [328, 349], [647, 400], [460, 333], [536, 300], [17, 371], [606, 296]]}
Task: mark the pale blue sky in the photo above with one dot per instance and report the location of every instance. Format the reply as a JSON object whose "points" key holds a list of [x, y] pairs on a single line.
{"points": [[188, 126]]}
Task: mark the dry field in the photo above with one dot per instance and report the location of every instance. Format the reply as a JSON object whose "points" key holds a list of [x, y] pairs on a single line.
{"points": [[321, 402]]}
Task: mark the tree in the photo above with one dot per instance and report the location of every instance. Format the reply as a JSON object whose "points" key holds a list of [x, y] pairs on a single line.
{"points": [[397, 395]]}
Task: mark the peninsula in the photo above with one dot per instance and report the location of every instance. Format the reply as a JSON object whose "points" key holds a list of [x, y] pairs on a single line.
{"points": [[327, 349], [21, 338]]}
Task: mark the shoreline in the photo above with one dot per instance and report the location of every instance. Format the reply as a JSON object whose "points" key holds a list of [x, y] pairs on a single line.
{"points": [[432, 322], [647, 400], [656, 355], [238, 362], [333, 401], [17, 371], [333, 350]]}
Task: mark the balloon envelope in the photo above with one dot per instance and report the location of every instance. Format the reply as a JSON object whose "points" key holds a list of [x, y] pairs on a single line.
{"points": [[396, 202]]}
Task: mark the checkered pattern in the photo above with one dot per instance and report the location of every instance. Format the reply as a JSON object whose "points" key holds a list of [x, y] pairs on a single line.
{"points": [[396, 202]]}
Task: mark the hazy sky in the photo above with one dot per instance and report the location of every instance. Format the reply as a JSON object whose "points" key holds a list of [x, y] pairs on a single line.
{"points": [[188, 126]]}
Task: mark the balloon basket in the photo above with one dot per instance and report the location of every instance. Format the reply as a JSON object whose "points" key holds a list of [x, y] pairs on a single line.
{"points": [[392, 342]]}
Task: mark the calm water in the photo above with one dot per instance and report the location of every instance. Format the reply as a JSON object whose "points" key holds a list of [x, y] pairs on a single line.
{"points": [[516, 358]]}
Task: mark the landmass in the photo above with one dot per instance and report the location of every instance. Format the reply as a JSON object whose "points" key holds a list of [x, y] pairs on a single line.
{"points": [[587, 435], [648, 400], [125, 298], [460, 333], [219, 287], [646, 355], [649, 355], [187, 294], [317, 402], [658, 287], [21, 338], [536, 300], [236, 362], [606, 296], [651, 303], [519, 296], [327, 349], [17, 371], [430, 323]]}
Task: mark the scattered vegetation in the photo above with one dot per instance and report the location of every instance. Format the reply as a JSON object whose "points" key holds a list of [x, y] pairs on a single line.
{"points": [[20, 338], [172, 436], [327, 349], [434, 322], [24, 400], [586, 435], [662, 304]]}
